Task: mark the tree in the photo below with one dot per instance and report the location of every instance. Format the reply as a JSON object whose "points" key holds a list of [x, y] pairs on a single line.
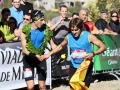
{"points": [[6, 4], [50, 14], [98, 5]]}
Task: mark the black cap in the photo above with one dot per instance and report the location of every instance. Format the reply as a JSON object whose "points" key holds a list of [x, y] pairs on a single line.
{"points": [[37, 15], [104, 11]]}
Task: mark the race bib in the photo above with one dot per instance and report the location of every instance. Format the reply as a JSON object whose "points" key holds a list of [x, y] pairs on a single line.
{"points": [[27, 72], [78, 54]]}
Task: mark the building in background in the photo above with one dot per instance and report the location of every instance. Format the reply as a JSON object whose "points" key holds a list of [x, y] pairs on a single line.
{"points": [[72, 2], [47, 4], [50, 4]]}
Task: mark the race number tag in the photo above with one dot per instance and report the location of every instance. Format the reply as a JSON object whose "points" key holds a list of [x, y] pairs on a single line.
{"points": [[27, 72], [78, 54]]}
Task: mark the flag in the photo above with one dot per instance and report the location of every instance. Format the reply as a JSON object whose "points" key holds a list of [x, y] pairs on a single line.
{"points": [[77, 79]]}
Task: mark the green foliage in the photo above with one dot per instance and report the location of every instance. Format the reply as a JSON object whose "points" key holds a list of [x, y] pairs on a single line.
{"points": [[98, 5], [29, 45], [50, 14]]}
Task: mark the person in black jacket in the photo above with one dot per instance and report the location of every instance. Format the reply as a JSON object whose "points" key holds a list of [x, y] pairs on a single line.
{"points": [[101, 23], [27, 7], [114, 22]]}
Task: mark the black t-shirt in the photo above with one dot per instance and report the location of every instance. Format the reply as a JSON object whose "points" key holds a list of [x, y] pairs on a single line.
{"points": [[28, 6], [101, 24]]}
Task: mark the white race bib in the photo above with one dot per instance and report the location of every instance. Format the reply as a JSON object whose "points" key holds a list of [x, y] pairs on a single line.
{"points": [[27, 72], [78, 54]]}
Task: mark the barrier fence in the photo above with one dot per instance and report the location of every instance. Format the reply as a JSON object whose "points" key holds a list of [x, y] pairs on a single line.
{"points": [[11, 67], [109, 59]]}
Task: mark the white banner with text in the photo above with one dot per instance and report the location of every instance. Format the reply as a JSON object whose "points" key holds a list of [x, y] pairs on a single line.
{"points": [[11, 67]]}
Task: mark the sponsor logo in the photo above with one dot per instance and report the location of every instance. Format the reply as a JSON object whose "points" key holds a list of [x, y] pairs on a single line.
{"points": [[65, 67], [111, 52], [111, 62]]}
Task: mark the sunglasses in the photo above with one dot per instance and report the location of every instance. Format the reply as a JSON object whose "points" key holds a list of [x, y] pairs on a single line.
{"points": [[25, 19], [11, 22], [114, 16]]}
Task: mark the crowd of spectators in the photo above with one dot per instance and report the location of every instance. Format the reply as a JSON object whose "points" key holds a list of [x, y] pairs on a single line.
{"points": [[14, 18]]}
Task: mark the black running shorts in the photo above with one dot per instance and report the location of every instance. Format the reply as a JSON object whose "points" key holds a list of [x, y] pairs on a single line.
{"points": [[29, 63]]}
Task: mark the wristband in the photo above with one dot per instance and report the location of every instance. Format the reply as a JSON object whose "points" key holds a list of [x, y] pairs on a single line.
{"points": [[32, 54], [93, 54]]}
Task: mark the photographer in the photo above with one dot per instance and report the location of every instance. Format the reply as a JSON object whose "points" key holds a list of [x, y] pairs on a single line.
{"points": [[59, 26]]}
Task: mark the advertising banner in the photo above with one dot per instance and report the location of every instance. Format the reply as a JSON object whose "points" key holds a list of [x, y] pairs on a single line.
{"points": [[109, 59], [11, 67]]}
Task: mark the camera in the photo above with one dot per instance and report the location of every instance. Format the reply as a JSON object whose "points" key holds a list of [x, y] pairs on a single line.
{"points": [[66, 19]]}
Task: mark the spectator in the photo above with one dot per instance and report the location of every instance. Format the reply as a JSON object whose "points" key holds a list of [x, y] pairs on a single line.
{"points": [[25, 4], [13, 25], [101, 23], [4, 28], [16, 12], [114, 22], [83, 14], [5, 13], [74, 15], [59, 25], [88, 25], [26, 20]]}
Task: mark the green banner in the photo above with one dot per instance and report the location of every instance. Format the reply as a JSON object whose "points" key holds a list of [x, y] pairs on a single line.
{"points": [[109, 59]]}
